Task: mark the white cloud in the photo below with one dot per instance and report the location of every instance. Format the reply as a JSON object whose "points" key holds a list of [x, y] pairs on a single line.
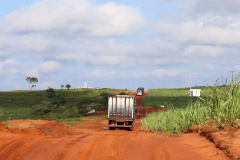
{"points": [[38, 70], [168, 73], [101, 74], [223, 7], [49, 66], [46, 85], [216, 23], [199, 32], [96, 41], [76, 17], [33, 72], [9, 67], [209, 67], [202, 51]]}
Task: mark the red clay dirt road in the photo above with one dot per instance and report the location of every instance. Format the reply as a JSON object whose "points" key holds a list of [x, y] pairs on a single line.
{"points": [[93, 141]]}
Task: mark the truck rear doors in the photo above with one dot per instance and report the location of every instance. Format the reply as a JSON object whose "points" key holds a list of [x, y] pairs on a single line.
{"points": [[121, 111]]}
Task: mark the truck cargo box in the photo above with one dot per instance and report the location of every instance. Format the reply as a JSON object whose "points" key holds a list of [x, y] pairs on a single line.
{"points": [[121, 111]]}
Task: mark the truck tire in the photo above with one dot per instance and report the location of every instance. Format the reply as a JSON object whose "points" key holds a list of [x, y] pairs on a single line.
{"points": [[111, 128]]}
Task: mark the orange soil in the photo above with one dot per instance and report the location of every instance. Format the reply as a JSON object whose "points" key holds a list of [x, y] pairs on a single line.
{"points": [[93, 141]]}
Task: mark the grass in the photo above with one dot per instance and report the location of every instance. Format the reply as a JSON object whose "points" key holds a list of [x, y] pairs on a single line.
{"points": [[49, 129], [37, 105], [220, 104], [71, 121], [171, 98], [176, 120]]}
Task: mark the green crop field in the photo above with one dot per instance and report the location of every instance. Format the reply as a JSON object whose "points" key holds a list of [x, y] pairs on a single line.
{"points": [[219, 104], [37, 104], [172, 98]]}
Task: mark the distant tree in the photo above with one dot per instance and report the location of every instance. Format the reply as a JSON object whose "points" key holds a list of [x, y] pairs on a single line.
{"points": [[62, 86], [31, 82], [68, 86]]}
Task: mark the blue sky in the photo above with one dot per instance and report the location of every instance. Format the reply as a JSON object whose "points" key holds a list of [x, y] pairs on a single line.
{"points": [[118, 44]]}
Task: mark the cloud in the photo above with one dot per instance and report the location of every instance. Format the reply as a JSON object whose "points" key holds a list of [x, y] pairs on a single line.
{"points": [[33, 72], [8, 66], [46, 84], [209, 67], [39, 70], [216, 23], [101, 74], [199, 32], [49, 66], [181, 40], [223, 7], [168, 73], [78, 17], [202, 51]]}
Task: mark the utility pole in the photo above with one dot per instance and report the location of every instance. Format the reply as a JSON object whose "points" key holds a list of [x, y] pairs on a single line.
{"points": [[222, 80], [232, 75]]}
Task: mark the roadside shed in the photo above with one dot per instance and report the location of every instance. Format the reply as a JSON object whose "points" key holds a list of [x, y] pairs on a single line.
{"points": [[195, 92]]}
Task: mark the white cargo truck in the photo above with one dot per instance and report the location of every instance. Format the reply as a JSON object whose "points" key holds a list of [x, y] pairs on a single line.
{"points": [[140, 91], [121, 111]]}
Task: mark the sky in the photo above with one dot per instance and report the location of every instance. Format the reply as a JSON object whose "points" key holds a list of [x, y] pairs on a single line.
{"points": [[118, 44]]}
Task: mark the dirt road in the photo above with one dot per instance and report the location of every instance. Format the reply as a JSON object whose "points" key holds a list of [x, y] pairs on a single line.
{"points": [[93, 141]]}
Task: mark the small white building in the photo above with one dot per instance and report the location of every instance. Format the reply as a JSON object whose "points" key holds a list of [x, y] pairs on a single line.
{"points": [[195, 92]]}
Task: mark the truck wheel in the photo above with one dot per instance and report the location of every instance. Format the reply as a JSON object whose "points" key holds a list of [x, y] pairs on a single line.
{"points": [[131, 129], [111, 128]]}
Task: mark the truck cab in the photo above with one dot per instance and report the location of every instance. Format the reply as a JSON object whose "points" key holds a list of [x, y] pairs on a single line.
{"points": [[140, 91]]}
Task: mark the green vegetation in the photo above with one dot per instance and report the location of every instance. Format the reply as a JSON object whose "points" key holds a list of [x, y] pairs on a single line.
{"points": [[224, 103], [176, 120], [49, 105], [68, 86], [171, 98], [221, 104], [70, 121], [50, 129]]}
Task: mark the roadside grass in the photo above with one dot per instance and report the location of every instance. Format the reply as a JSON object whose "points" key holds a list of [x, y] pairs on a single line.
{"points": [[175, 120], [37, 105], [19, 126], [71, 121], [221, 104]]}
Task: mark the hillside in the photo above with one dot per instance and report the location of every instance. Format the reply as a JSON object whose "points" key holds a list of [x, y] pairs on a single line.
{"points": [[37, 104]]}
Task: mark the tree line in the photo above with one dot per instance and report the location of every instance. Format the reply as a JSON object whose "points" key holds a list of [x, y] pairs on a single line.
{"points": [[33, 80]]}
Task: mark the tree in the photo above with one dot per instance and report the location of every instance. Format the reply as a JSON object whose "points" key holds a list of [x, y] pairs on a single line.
{"points": [[62, 86], [31, 82], [56, 99], [51, 93], [68, 86]]}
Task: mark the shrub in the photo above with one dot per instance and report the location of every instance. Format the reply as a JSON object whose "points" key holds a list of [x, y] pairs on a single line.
{"points": [[123, 93], [58, 100], [50, 93]]}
